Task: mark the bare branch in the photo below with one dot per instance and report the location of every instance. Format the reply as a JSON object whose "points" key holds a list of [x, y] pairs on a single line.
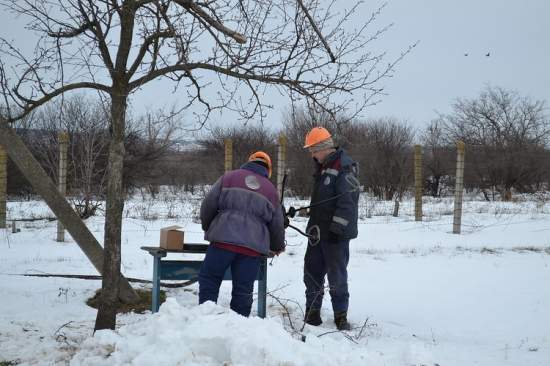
{"points": [[196, 10], [145, 46], [33, 104], [316, 29], [72, 32], [129, 44]]}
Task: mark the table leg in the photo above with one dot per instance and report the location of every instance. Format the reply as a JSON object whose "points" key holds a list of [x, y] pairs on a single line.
{"points": [[155, 296], [262, 288]]}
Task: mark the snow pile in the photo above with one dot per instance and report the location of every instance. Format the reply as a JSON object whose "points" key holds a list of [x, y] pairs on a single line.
{"points": [[212, 335]]}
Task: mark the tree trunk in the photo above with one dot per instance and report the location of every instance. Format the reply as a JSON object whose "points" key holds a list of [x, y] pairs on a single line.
{"points": [[106, 314], [434, 185], [507, 194], [45, 187]]}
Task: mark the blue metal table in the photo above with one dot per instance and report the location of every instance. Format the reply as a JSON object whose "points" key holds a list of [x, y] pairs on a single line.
{"points": [[164, 269]]}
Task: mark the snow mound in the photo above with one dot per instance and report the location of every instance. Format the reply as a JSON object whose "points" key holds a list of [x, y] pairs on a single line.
{"points": [[212, 335]]}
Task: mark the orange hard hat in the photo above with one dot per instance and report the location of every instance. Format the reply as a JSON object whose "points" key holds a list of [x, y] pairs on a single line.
{"points": [[263, 158], [316, 135]]}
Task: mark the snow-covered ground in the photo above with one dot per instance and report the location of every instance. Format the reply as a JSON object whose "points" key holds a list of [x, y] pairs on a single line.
{"points": [[420, 295]]}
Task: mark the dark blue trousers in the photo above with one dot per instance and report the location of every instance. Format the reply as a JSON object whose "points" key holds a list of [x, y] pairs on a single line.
{"points": [[330, 259], [244, 270]]}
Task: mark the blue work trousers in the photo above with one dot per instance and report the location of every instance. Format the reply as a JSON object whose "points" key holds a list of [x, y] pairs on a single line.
{"points": [[328, 258], [244, 271]]}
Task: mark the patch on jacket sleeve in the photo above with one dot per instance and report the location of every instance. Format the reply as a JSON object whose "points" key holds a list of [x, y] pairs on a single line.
{"points": [[327, 181], [252, 182], [353, 181]]}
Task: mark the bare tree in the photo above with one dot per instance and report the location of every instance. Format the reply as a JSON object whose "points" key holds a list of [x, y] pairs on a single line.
{"points": [[234, 48], [89, 141], [506, 135], [86, 122], [149, 140], [388, 148], [437, 156]]}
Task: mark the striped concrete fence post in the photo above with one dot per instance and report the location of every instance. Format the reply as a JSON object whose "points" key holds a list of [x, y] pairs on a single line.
{"points": [[228, 163], [63, 139], [3, 186], [417, 183], [281, 163], [459, 186]]}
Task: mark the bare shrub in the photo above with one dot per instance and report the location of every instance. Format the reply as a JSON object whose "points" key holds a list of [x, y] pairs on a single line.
{"points": [[506, 136]]}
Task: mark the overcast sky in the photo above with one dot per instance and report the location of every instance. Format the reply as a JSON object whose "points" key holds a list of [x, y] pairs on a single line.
{"points": [[515, 33]]}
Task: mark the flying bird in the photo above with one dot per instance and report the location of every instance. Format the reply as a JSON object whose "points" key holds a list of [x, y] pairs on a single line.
{"points": [[465, 53], [488, 54]]}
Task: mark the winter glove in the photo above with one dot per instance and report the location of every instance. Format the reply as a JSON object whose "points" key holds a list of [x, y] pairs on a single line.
{"points": [[291, 212], [335, 232]]}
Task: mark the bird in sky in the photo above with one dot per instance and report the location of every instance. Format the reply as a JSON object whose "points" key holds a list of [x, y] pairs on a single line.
{"points": [[465, 53], [488, 54]]}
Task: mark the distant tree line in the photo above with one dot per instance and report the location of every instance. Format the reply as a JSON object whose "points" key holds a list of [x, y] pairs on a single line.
{"points": [[150, 139], [507, 148], [507, 140]]}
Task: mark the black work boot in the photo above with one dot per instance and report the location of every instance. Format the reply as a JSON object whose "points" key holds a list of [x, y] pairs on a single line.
{"points": [[341, 320], [313, 317]]}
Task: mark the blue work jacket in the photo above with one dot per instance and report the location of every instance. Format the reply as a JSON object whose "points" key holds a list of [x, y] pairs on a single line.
{"points": [[336, 177]]}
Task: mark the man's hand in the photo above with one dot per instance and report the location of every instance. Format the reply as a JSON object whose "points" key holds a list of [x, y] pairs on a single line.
{"points": [[276, 252], [291, 212], [286, 222]]}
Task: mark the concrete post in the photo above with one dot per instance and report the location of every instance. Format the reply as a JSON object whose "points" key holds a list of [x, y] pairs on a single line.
{"points": [[417, 183], [3, 186], [228, 155], [63, 139], [281, 163], [459, 186]]}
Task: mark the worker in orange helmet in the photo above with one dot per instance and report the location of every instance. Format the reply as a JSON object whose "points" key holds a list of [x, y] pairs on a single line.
{"points": [[334, 202], [243, 220]]}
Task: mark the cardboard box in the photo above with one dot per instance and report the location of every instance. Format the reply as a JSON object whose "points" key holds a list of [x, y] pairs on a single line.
{"points": [[171, 237]]}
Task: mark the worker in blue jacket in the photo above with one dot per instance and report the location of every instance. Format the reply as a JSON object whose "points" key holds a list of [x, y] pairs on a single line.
{"points": [[337, 188]]}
